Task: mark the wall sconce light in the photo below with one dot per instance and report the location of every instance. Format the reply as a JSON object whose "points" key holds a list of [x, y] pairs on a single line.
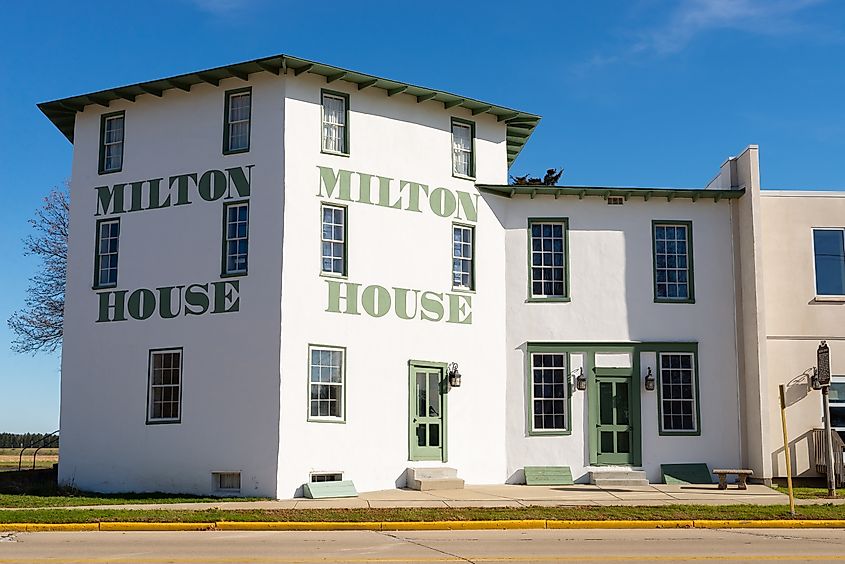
{"points": [[454, 375], [581, 380], [649, 380]]}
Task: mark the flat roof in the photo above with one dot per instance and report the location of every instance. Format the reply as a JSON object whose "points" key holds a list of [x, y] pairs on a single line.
{"points": [[534, 190], [520, 125]]}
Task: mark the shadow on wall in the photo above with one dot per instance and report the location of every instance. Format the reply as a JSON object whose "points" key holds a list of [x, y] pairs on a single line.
{"points": [[804, 443], [797, 389]]}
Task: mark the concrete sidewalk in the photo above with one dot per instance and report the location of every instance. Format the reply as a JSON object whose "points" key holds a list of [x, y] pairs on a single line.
{"points": [[508, 496]]}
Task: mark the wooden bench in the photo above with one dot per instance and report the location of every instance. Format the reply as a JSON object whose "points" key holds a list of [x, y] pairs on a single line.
{"points": [[323, 490], [548, 476], [741, 476]]}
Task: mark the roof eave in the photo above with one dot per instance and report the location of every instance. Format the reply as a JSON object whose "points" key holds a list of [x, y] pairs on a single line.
{"points": [[534, 190]]}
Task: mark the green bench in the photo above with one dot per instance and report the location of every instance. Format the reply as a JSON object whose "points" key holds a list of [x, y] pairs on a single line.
{"points": [[685, 474], [323, 490], [548, 476]]}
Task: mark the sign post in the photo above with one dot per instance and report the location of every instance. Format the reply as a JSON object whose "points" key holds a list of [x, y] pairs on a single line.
{"points": [[782, 389], [823, 378]]}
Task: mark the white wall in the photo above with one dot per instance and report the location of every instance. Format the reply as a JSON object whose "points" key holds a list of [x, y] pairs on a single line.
{"points": [[399, 138], [612, 301], [230, 402]]}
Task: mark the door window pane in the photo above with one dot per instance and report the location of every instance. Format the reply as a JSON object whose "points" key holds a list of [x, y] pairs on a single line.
{"points": [[829, 249], [434, 395]]}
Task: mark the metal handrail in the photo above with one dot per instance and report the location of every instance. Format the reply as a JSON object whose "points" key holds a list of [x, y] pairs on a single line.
{"points": [[820, 454], [52, 436]]}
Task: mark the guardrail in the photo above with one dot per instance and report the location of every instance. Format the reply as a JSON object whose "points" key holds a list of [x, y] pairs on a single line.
{"points": [[820, 455], [44, 442]]}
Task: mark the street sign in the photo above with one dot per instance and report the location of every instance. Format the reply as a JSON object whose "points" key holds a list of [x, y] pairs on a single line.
{"points": [[823, 362]]}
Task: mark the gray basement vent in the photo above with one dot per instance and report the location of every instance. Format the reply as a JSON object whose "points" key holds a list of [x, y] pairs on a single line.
{"points": [[615, 200], [226, 481]]}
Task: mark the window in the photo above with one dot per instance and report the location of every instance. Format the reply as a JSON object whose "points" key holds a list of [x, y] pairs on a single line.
{"points": [[326, 477], [236, 238], [105, 258], [829, 251], [236, 121], [463, 156], [111, 142], [333, 239], [463, 267], [548, 260], [226, 481], [678, 393], [165, 393], [335, 129], [837, 404], [673, 261], [326, 395], [549, 411]]}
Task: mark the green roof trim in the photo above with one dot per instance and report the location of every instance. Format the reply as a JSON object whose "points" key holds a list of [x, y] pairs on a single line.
{"points": [[534, 190], [62, 112]]}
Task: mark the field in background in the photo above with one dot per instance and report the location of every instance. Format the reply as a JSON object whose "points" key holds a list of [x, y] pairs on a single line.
{"points": [[9, 458]]}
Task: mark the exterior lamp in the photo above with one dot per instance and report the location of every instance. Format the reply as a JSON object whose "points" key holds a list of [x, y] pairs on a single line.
{"points": [[454, 375], [581, 380], [649, 380]]}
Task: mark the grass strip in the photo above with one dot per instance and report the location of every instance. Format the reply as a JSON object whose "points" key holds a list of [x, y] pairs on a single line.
{"points": [[668, 512], [69, 499]]}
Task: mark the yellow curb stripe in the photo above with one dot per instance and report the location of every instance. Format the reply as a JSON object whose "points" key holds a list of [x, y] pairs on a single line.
{"points": [[462, 525], [770, 523], [620, 524], [131, 526], [297, 526]]}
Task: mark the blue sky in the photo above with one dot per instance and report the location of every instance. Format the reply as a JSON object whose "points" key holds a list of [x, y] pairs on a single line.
{"points": [[632, 92]]}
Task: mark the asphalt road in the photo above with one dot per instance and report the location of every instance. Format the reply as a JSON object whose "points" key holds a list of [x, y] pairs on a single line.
{"points": [[217, 547]]}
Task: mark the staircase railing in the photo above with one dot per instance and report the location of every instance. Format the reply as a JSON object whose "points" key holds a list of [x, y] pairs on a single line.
{"points": [[820, 455], [44, 442]]}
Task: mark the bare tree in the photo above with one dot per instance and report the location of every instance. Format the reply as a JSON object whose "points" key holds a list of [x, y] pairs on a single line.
{"points": [[38, 325]]}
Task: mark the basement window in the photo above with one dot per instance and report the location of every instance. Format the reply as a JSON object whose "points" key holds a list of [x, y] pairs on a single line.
{"points": [[226, 481], [326, 477]]}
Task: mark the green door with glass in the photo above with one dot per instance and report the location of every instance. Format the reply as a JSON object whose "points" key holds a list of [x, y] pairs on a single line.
{"points": [[427, 411], [617, 416]]}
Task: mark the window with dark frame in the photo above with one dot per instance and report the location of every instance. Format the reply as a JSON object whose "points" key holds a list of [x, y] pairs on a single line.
{"points": [[333, 240], [829, 260], [548, 259], [463, 155], [165, 392], [549, 392], [238, 121], [678, 399], [105, 264], [326, 383], [335, 128], [463, 271], [672, 262], [236, 243], [111, 143]]}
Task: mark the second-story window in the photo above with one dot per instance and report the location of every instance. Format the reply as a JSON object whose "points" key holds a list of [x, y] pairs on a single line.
{"points": [[335, 126], [673, 261], [111, 142], [463, 271], [333, 240], [105, 263], [237, 121], [236, 238], [548, 270], [463, 154], [829, 260]]}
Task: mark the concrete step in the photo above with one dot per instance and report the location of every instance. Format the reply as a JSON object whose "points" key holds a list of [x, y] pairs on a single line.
{"points": [[619, 482], [618, 474], [427, 479]]}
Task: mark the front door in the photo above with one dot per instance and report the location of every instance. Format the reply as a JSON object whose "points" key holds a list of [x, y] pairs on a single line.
{"points": [[427, 421], [615, 424]]}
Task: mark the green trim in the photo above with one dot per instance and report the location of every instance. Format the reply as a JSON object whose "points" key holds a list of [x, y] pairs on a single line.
{"points": [[102, 151], [520, 125], [224, 273], [229, 94], [345, 152], [690, 299], [547, 299], [669, 194], [471, 125], [309, 417], [149, 384], [529, 392], [345, 273], [444, 398], [691, 348], [97, 285], [472, 286]]}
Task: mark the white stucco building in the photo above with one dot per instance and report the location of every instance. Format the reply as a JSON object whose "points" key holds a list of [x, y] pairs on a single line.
{"points": [[272, 265]]}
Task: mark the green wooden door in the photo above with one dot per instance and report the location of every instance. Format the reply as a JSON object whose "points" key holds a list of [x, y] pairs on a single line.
{"points": [[616, 422], [427, 423]]}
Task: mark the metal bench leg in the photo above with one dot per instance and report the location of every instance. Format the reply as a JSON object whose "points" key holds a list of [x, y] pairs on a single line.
{"points": [[723, 482], [741, 482]]}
